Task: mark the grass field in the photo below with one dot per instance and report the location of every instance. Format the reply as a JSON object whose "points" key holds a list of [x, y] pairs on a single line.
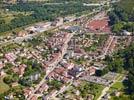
{"points": [[98, 93], [3, 87], [118, 85]]}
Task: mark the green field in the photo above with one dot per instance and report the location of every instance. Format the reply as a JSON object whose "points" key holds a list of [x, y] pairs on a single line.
{"points": [[3, 87], [118, 85], [98, 93]]}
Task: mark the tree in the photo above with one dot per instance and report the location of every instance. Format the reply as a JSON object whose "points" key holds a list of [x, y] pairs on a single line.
{"points": [[56, 84], [102, 72], [131, 82], [113, 18], [8, 79], [117, 65], [122, 12], [117, 27], [2, 21], [25, 82]]}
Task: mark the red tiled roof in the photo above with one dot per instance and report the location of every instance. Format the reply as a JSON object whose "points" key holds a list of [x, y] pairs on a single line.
{"points": [[34, 98], [99, 25], [59, 70]]}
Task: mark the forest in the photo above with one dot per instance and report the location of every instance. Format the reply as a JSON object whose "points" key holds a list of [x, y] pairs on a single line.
{"points": [[122, 16], [40, 12]]}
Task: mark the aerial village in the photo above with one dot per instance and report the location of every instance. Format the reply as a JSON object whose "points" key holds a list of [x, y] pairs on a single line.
{"points": [[64, 55]]}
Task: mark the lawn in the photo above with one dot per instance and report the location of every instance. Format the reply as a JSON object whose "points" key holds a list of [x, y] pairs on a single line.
{"points": [[99, 91], [118, 85], [3, 87]]}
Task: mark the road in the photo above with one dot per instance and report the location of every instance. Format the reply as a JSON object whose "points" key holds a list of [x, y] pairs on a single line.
{"points": [[111, 40]]}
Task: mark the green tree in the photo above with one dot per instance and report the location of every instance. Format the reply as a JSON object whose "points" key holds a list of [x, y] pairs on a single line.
{"points": [[117, 27], [8, 79]]}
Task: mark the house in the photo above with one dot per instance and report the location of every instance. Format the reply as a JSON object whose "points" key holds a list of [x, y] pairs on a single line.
{"points": [[74, 29], [75, 71], [41, 27], [92, 70], [90, 97], [117, 93], [53, 93], [1, 65], [27, 92], [59, 21], [126, 32], [77, 83], [43, 87], [14, 84], [30, 29], [50, 96], [65, 80], [98, 25], [34, 97], [78, 52], [21, 69], [10, 1], [59, 70], [70, 53], [45, 97], [69, 18], [2, 73], [99, 66], [68, 65], [22, 33], [34, 76], [11, 57]]}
